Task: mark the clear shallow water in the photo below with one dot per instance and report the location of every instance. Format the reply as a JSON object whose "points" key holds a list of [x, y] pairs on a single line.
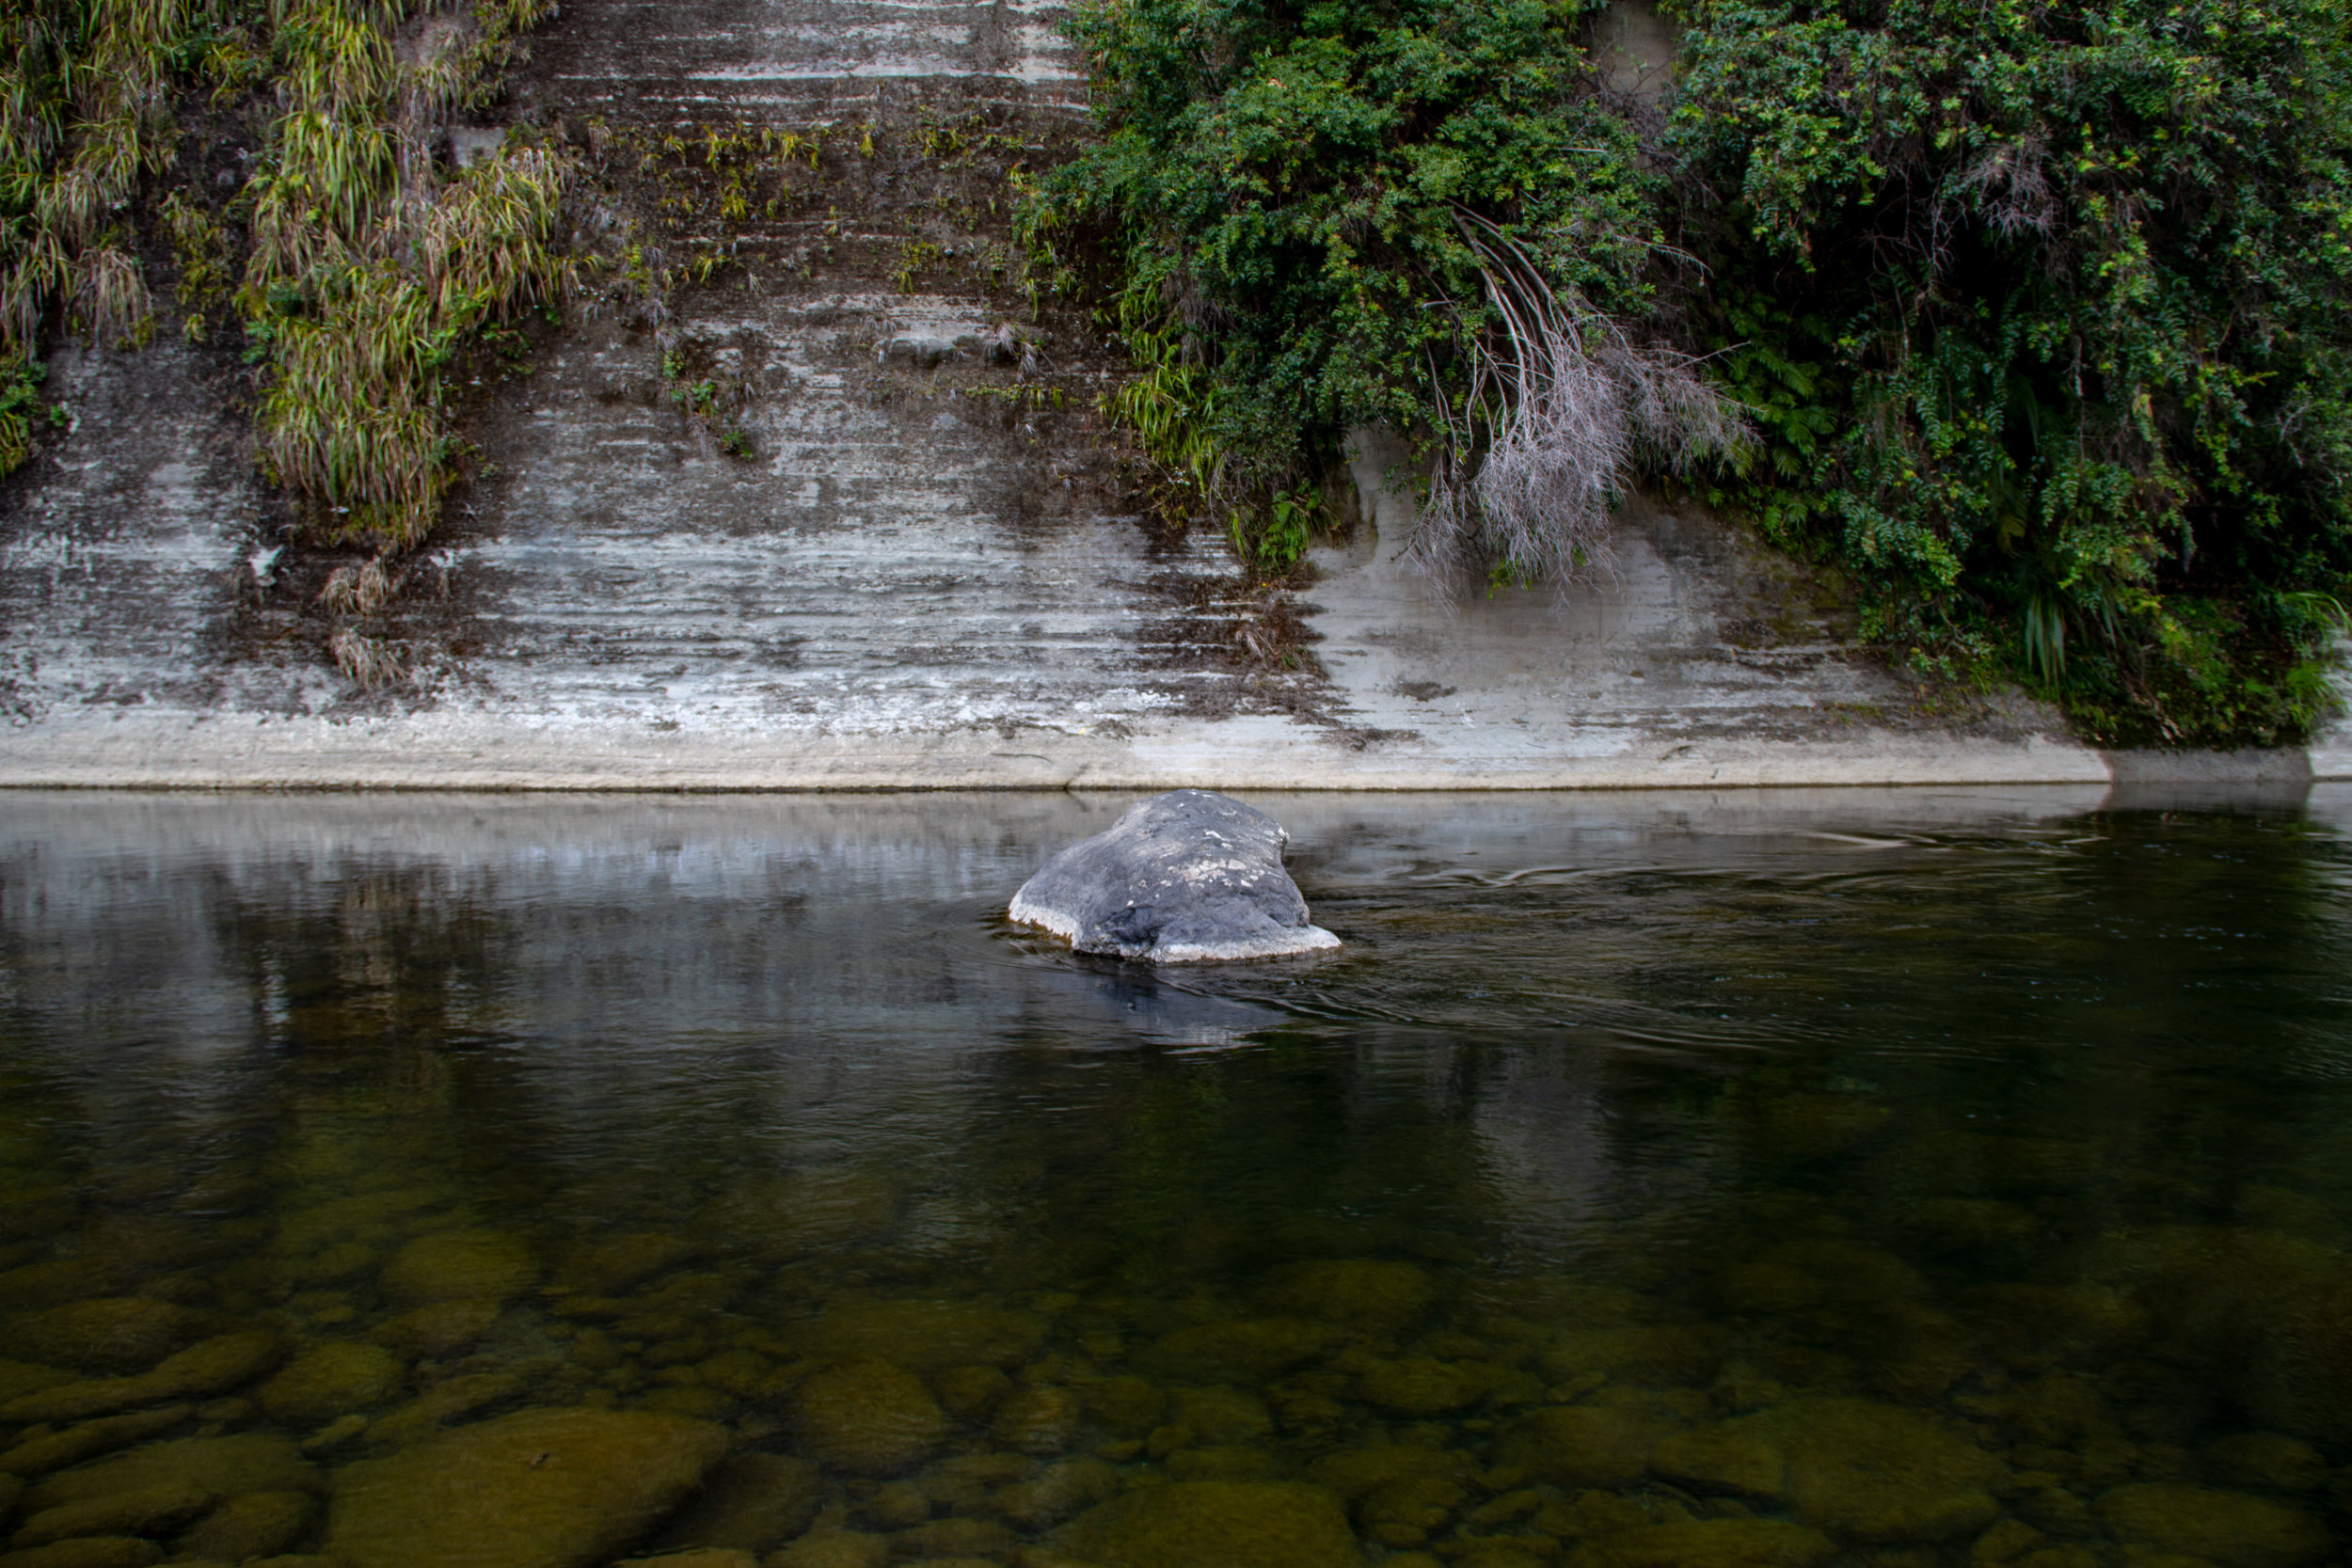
{"points": [[1897, 1178]]}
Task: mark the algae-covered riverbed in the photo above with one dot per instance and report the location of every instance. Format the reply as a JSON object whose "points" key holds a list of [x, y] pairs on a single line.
{"points": [[1738, 1182]]}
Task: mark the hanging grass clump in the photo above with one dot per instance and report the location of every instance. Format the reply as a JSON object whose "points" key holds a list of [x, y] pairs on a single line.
{"points": [[371, 268]]}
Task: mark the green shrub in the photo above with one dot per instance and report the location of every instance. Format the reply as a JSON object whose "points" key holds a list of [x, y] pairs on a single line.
{"points": [[2055, 294], [2036, 312], [1314, 216]]}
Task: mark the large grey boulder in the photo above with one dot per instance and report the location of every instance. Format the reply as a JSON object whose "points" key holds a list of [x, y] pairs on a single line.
{"points": [[1187, 876]]}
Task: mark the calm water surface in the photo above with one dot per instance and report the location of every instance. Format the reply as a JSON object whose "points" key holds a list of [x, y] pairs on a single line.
{"points": [[1742, 1180]]}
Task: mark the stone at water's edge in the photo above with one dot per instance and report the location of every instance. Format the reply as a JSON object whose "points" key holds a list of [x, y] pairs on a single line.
{"points": [[1187, 876]]}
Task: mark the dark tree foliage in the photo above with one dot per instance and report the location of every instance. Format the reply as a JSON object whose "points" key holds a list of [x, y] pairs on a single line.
{"points": [[2037, 308], [2044, 305], [1281, 192]]}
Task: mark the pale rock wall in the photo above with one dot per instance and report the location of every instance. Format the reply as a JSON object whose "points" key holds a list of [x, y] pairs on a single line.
{"points": [[905, 586]]}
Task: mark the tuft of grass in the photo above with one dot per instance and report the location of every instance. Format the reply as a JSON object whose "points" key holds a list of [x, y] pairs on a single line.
{"points": [[372, 270], [371, 662], [369, 269], [21, 411]]}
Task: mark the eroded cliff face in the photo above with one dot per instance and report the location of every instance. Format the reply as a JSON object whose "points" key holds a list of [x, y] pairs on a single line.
{"points": [[892, 542]]}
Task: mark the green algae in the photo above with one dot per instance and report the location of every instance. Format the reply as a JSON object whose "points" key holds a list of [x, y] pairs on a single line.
{"points": [[459, 1265], [252, 1525], [545, 1488], [222, 1466], [867, 1418], [338, 1379], [118, 1335], [1206, 1524]]}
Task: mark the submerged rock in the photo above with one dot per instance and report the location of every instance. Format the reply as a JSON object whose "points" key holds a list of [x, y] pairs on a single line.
{"points": [[18, 1378], [1187, 876], [257, 1524], [834, 1548], [803, 1211], [1041, 1419], [331, 1380], [867, 1418], [1857, 1468], [1423, 1385], [54, 1451], [1353, 1472], [88, 1551], [2259, 1459], [224, 1466], [439, 1330], [2230, 1529], [1368, 1292], [1057, 1492], [537, 1489], [459, 1265], [212, 1367], [925, 1335], [1710, 1543], [1584, 1444], [144, 1512], [121, 1334], [751, 1502], [1252, 1350], [1215, 1524]]}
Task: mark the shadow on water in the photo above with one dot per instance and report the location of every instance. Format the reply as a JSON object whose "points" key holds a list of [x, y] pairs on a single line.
{"points": [[1895, 1177]]}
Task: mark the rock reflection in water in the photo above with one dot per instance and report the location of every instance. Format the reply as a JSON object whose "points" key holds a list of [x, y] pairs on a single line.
{"points": [[1651, 1182]]}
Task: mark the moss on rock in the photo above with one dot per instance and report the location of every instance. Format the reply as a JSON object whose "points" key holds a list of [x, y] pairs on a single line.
{"points": [[443, 1401], [331, 1380], [1250, 1350], [2230, 1529], [1423, 1385], [1371, 1294], [1666, 1354], [212, 1367], [443, 1329], [224, 1466], [549, 1488], [834, 1548], [1352, 1472], [118, 1334], [1057, 1492], [19, 1378], [1584, 1444], [751, 1501], [142, 1510], [1041, 1419], [1873, 1471], [1816, 1126], [1215, 1524], [612, 1266], [54, 1451], [255, 1525], [2267, 1460], [923, 1336], [90, 1551], [1408, 1511], [459, 1265], [867, 1418], [803, 1211], [1709, 1544], [970, 1393]]}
